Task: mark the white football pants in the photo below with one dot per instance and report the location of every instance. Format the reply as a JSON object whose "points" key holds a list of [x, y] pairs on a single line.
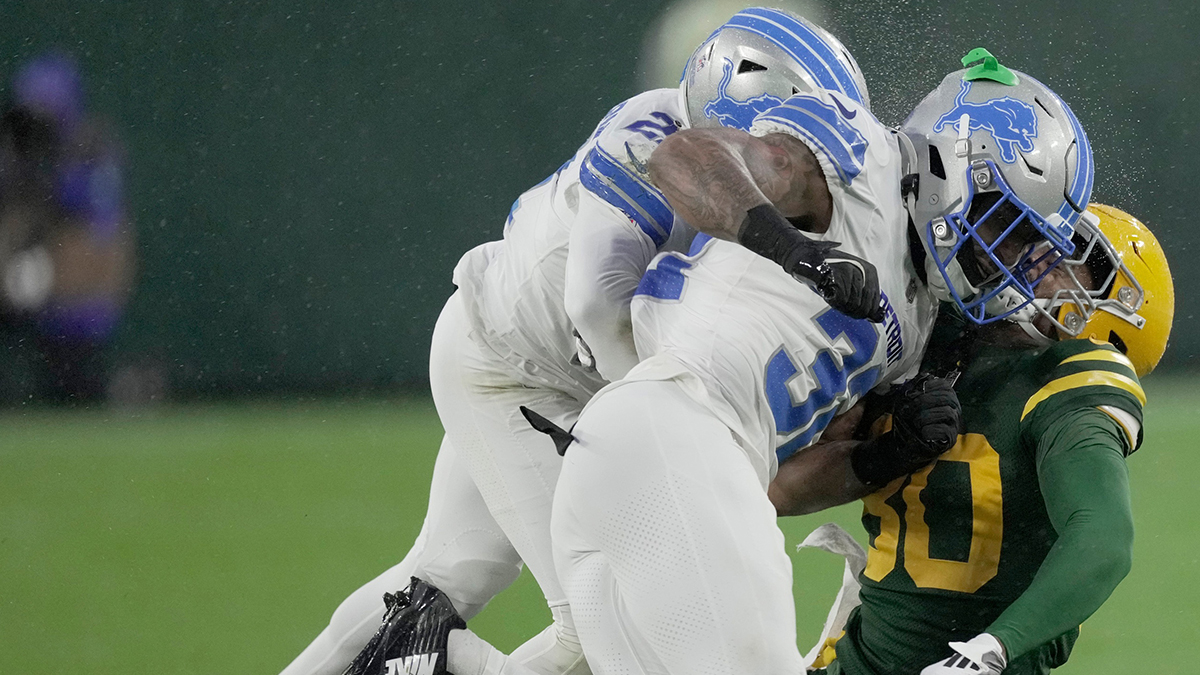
{"points": [[489, 507], [666, 543]]}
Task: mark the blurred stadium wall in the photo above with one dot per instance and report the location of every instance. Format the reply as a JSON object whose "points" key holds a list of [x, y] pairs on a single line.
{"points": [[305, 175]]}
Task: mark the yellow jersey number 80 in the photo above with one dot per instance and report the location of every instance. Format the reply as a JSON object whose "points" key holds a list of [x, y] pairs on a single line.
{"points": [[987, 525]]}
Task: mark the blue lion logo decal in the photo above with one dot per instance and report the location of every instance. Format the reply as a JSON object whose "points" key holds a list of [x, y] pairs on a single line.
{"points": [[1010, 122], [731, 112]]}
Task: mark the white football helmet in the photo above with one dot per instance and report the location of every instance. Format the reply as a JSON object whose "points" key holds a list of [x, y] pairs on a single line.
{"points": [[758, 59], [999, 171]]}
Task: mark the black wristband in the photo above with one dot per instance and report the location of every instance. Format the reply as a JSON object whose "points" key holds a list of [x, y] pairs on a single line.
{"points": [[766, 232], [879, 461]]}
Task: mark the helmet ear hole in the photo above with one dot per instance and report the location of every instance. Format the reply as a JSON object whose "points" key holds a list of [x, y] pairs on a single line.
{"points": [[935, 163], [747, 66], [1116, 341]]}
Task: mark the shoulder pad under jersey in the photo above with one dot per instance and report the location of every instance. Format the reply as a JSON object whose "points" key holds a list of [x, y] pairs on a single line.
{"points": [[1085, 373]]}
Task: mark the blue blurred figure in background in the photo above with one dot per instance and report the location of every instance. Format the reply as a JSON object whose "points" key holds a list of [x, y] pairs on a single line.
{"points": [[66, 244]]}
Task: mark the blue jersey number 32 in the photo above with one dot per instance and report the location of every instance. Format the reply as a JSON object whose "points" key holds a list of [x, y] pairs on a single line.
{"points": [[812, 415]]}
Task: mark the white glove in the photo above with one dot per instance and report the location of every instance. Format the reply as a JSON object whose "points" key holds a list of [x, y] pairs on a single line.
{"points": [[981, 655]]}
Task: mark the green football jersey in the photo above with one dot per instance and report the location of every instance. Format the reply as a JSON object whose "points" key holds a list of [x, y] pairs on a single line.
{"points": [[954, 544]]}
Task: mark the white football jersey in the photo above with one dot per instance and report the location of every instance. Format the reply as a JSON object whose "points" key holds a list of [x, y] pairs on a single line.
{"points": [[514, 288], [773, 356]]}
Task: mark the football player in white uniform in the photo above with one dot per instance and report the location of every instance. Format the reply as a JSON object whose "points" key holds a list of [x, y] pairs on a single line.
{"points": [[665, 540], [541, 319]]}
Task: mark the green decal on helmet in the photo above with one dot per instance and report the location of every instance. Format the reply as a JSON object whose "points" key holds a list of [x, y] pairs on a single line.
{"points": [[990, 69]]}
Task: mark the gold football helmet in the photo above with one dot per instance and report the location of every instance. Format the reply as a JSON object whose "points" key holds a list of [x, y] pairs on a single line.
{"points": [[1131, 301]]}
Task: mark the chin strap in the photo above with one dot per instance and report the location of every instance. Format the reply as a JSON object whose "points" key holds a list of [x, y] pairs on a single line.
{"points": [[1037, 335], [910, 184], [1023, 317]]}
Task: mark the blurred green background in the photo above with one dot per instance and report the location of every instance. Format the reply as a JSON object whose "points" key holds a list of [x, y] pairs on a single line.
{"points": [[303, 177]]}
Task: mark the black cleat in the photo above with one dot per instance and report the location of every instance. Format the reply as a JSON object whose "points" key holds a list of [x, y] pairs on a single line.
{"points": [[413, 637], [366, 661]]}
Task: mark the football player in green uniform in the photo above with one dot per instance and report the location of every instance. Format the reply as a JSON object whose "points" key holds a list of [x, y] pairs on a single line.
{"points": [[975, 561]]}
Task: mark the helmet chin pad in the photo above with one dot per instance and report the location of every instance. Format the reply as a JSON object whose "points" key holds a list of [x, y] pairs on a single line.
{"points": [[970, 246], [1089, 287]]}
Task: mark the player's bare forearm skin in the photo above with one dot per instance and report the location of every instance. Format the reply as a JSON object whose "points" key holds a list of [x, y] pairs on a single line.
{"points": [[820, 476], [712, 177], [815, 479]]}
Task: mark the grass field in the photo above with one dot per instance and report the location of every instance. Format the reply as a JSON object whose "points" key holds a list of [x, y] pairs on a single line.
{"points": [[217, 539]]}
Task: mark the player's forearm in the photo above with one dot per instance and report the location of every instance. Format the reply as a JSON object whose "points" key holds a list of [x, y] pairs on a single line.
{"points": [[1085, 485], [925, 421], [599, 310], [817, 478], [605, 261], [1077, 577], [704, 175]]}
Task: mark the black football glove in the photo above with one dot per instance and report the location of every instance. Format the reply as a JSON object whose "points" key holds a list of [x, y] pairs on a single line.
{"points": [[851, 285], [927, 416], [848, 283], [926, 421]]}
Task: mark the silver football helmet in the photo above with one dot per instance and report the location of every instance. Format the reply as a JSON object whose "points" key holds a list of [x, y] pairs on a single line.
{"points": [[758, 59], [1003, 172]]}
